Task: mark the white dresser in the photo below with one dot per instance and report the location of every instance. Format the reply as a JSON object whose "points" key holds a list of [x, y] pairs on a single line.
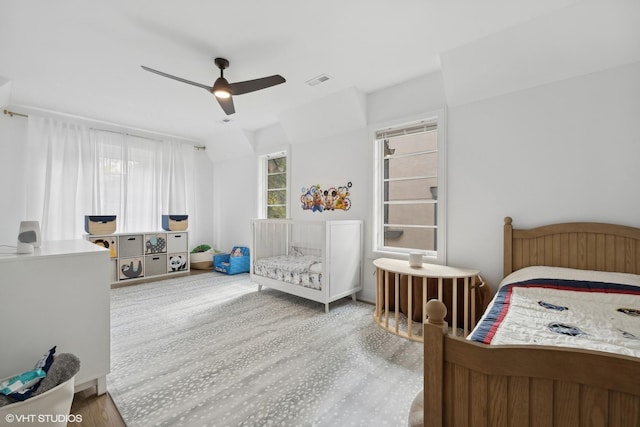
{"points": [[59, 296]]}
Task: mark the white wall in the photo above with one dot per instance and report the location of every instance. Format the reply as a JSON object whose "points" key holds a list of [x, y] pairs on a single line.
{"points": [[200, 221], [13, 137], [343, 153], [566, 151], [332, 162], [235, 203]]}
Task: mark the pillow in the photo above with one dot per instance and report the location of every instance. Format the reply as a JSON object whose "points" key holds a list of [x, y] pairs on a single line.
{"points": [[541, 272], [236, 252]]}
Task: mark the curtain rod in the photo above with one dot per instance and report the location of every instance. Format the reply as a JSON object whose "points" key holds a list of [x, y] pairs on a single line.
{"points": [[13, 113]]}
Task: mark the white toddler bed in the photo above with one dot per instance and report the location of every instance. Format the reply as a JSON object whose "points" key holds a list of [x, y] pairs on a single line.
{"points": [[317, 260]]}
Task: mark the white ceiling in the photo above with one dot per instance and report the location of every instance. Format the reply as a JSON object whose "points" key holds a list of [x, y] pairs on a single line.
{"points": [[83, 57]]}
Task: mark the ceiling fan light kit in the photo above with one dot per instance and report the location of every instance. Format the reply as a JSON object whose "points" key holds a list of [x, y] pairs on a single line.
{"points": [[222, 89]]}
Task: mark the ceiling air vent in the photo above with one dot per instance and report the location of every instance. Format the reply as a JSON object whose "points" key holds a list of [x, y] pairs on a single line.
{"points": [[318, 79]]}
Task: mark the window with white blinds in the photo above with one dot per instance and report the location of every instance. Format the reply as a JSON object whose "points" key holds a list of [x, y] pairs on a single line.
{"points": [[409, 171]]}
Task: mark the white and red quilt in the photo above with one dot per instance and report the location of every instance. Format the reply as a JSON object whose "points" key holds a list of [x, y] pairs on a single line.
{"points": [[565, 307]]}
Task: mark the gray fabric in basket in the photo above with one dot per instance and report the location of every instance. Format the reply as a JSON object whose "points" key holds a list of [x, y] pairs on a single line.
{"points": [[64, 366]]}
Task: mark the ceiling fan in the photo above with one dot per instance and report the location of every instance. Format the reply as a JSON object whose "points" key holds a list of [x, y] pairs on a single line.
{"points": [[222, 89]]}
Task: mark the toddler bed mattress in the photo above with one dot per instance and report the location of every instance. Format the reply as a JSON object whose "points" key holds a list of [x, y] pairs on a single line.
{"points": [[567, 308], [302, 270]]}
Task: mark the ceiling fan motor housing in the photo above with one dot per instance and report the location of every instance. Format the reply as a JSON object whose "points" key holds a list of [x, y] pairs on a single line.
{"points": [[221, 63]]}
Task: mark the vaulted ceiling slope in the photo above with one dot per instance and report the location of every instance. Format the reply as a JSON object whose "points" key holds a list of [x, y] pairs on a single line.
{"points": [[83, 58]]}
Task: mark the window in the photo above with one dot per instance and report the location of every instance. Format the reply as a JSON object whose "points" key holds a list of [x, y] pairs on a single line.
{"points": [[276, 177], [410, 163], [79, 171]]}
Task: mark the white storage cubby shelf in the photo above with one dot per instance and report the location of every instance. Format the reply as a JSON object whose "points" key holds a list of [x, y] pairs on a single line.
{"points": [[145, 255]]}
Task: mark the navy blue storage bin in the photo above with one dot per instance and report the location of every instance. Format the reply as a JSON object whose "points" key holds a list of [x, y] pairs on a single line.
{"points": [[100, 224], [175, 222]]}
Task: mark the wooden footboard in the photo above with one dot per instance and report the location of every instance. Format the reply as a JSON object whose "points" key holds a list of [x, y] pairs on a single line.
{"points": [[471, 384]]}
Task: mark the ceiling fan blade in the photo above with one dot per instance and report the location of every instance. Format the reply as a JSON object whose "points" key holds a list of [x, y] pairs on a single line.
{"points": [[227, 105], [176, 78], [252, 85]]}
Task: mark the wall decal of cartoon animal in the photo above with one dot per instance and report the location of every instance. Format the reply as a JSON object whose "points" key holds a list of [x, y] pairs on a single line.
{"points": [[318, 201], [342, 201], [315, 199], [330, 198]]}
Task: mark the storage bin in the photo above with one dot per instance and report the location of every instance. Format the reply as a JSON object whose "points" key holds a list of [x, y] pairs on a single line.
{"points": [[175, 222], [155, 265], [109, 242], [130, 268], [201, 260], [56, 401], [155, 243], [130, 245], [177, 242], [177, 262], [100, 224]]}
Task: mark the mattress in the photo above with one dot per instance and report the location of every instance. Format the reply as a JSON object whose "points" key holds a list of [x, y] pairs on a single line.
{"points": [[302, 270], [567, 308]]}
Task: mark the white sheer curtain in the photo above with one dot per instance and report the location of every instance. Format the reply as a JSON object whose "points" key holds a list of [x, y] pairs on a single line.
{"points": [[76, 171]]}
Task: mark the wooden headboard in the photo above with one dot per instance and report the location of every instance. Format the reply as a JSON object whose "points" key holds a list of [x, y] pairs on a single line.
{"points": [[581, 245]]}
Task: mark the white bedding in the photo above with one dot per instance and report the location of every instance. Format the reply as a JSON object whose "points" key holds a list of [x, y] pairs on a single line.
{"points": [[303, 270], [565, 307]]}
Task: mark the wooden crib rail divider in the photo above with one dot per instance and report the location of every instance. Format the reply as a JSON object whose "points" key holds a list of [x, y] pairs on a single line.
{"points": [[454, 307], [434, 330], [425, 291], [466, 306], [379, 280], [473, 303], [410, 306], [386, 300], [397, 301]]}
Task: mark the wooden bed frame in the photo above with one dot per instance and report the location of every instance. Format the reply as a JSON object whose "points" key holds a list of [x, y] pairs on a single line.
{"points": [[472, 384]]}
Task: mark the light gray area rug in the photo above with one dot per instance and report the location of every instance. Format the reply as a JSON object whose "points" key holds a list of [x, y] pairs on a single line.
{"points": [[210, 350]]}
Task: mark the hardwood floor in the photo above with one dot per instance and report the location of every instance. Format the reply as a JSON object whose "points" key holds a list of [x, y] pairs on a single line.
{"points": [[96, 411]]}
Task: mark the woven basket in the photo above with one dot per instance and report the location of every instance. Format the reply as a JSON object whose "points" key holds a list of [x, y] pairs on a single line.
{"points": [[201, 260]]}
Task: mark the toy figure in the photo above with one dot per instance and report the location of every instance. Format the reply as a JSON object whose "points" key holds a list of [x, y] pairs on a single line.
{"points": [[318, 201], [329, 199]]}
